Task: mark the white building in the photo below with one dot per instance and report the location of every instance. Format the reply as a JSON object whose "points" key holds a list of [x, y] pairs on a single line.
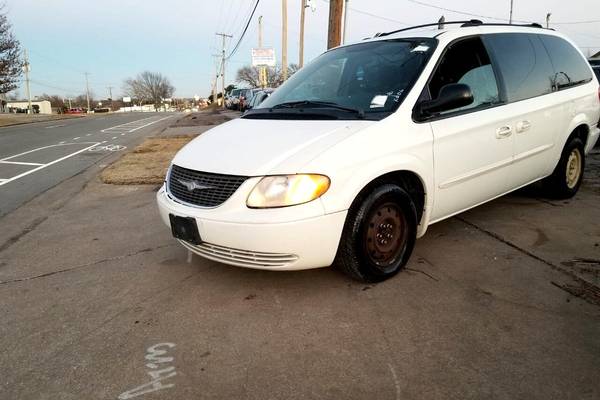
{"points": [[43, 106]]}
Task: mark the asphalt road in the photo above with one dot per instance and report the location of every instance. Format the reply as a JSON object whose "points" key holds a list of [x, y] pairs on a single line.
{"points": [[35, 157], [98, 301]]}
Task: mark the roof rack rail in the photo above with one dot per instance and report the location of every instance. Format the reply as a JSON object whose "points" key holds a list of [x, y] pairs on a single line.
{"points": [[467, 23]]}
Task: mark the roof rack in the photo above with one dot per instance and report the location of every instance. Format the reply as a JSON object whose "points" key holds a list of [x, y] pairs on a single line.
{"points": [[463, 24]]}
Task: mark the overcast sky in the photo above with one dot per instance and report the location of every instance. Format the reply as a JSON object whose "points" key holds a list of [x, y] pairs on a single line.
{"points": [[116, 39]]}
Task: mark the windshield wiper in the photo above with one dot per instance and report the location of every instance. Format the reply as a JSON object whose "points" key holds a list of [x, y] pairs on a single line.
{"points": [[324, 104]]}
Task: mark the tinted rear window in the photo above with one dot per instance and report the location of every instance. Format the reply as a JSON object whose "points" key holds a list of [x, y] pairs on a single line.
{"points": [[569, 65], [524, 64]]}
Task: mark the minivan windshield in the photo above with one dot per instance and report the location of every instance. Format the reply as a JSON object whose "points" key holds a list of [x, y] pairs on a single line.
{"points": [[365, 80]]}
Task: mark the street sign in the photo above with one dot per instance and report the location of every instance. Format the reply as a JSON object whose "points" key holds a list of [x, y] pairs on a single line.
{"points": [[126, 99], [263, 57]]}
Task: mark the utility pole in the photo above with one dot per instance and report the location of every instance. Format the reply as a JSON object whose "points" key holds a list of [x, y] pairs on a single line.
{"points": [[334, 35], [262, 70], [302, 13], [548, 20], [26, 69], [216, 79], [284, 71], [345, 21], [224, 36], [87, 91], [111, 98], [511, 12]]}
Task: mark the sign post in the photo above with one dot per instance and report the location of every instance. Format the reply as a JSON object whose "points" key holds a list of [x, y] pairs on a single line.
{"points": [[263, 57]]}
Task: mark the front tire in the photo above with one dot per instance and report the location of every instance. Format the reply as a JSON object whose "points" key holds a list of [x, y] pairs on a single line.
{"points": [[379, 234], [568, 174]]}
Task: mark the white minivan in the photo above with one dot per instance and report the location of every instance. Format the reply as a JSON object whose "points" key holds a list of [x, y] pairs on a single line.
{"points": [[350, 160]]}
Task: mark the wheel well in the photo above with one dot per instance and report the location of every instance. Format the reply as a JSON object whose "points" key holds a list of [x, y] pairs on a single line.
{"points": [[581, 132], [408, 180]]}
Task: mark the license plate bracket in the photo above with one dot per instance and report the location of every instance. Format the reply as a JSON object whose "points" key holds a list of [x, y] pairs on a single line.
{"points": [[185, 228]]}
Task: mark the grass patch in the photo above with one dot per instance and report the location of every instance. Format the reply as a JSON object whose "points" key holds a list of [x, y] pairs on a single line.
{"points": [[147, 164]]}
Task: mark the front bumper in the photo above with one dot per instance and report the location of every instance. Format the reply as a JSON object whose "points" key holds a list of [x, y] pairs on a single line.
{"points": [[279, 243]]}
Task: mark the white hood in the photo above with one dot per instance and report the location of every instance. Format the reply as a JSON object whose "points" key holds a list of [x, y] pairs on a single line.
{"points": [[253, 147]]}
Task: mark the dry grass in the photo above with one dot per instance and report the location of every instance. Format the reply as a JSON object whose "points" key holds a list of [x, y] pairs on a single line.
{"points": [[147, 163], [18, 119]]}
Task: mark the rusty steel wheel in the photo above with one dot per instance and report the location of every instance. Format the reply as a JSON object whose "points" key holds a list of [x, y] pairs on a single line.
{"points": [[379, 234], [568, 173], [385, 234]]}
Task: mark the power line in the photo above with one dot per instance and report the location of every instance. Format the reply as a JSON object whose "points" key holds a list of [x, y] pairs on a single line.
{"points": [[244, 32], [356, 10], [462, 12], [577, 22], [422, 3]]}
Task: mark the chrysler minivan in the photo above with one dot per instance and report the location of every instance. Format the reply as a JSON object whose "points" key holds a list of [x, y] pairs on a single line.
{"points": [[350, 160]]}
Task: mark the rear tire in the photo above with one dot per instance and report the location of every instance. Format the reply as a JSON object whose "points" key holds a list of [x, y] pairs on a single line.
{"points": [[379, 234], [568, 174]]}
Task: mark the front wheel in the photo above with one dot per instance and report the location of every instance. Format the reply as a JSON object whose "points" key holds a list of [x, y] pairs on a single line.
{"points": [[379, 234], [568, 174]]}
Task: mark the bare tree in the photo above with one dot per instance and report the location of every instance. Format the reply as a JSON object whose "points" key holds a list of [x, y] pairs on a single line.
{"points": [[249, 75], [149, 87], [11, 64]]}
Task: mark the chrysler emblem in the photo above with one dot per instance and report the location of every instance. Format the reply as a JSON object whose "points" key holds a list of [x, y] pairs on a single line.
{"points": [[193, 185]]}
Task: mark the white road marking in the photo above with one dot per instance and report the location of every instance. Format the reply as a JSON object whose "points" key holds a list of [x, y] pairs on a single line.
{"points": [[61, 142], [127, 123], [108, 147], [89, 134], [78, 137], [54, 126], [2, 180], [134, 125], [153, 122], [154, 355], [122, 134], [114, 137], [20, 163], [5, 181]]}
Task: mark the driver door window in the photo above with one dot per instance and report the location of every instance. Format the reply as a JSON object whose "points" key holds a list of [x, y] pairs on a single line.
{"points": [[467, 62]]}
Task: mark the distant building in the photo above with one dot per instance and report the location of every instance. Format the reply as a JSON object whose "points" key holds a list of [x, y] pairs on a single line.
{"points": [[39, 107]]}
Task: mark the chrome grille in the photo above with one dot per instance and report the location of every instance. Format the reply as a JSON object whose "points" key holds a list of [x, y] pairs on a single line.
{"points": [[241, 258], [213, 191]]}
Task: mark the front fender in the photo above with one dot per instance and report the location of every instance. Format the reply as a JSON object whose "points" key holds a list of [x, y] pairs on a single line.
{"points": [[349, 182]]}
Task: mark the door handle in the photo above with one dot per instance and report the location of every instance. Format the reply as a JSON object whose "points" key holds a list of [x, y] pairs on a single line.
{"points": [[503, 131], [523, 126]]}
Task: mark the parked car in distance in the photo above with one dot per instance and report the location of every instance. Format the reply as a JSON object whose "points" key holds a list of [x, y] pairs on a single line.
{"points": [[232, 99], [244, 97], [249, 98], [258, 97], [353, 157]]}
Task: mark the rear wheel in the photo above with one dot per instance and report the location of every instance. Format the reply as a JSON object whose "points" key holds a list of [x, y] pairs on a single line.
{"points": [[379, 234], [568, 174]]}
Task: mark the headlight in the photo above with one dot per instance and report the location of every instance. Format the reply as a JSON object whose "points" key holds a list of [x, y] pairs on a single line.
{"points": [[287, 190]]}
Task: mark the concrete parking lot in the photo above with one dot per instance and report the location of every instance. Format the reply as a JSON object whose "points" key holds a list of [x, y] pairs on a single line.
{"points": [[99, 302]]}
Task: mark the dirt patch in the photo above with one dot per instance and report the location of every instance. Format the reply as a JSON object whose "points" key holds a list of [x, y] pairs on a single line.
{"points": [[147, 163], [18, 119], [208, 117]]}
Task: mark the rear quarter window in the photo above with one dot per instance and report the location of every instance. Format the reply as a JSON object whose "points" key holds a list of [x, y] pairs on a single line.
{"points": [[524, 64], [569, 65]]}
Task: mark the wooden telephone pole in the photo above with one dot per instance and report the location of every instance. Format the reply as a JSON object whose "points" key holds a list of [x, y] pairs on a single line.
{"points": [[262, 70], [302, 13], [224, 36], [336, 12], [284, 70]]}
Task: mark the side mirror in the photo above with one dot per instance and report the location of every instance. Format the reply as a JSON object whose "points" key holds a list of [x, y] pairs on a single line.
{"points": [[453, 95]]}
